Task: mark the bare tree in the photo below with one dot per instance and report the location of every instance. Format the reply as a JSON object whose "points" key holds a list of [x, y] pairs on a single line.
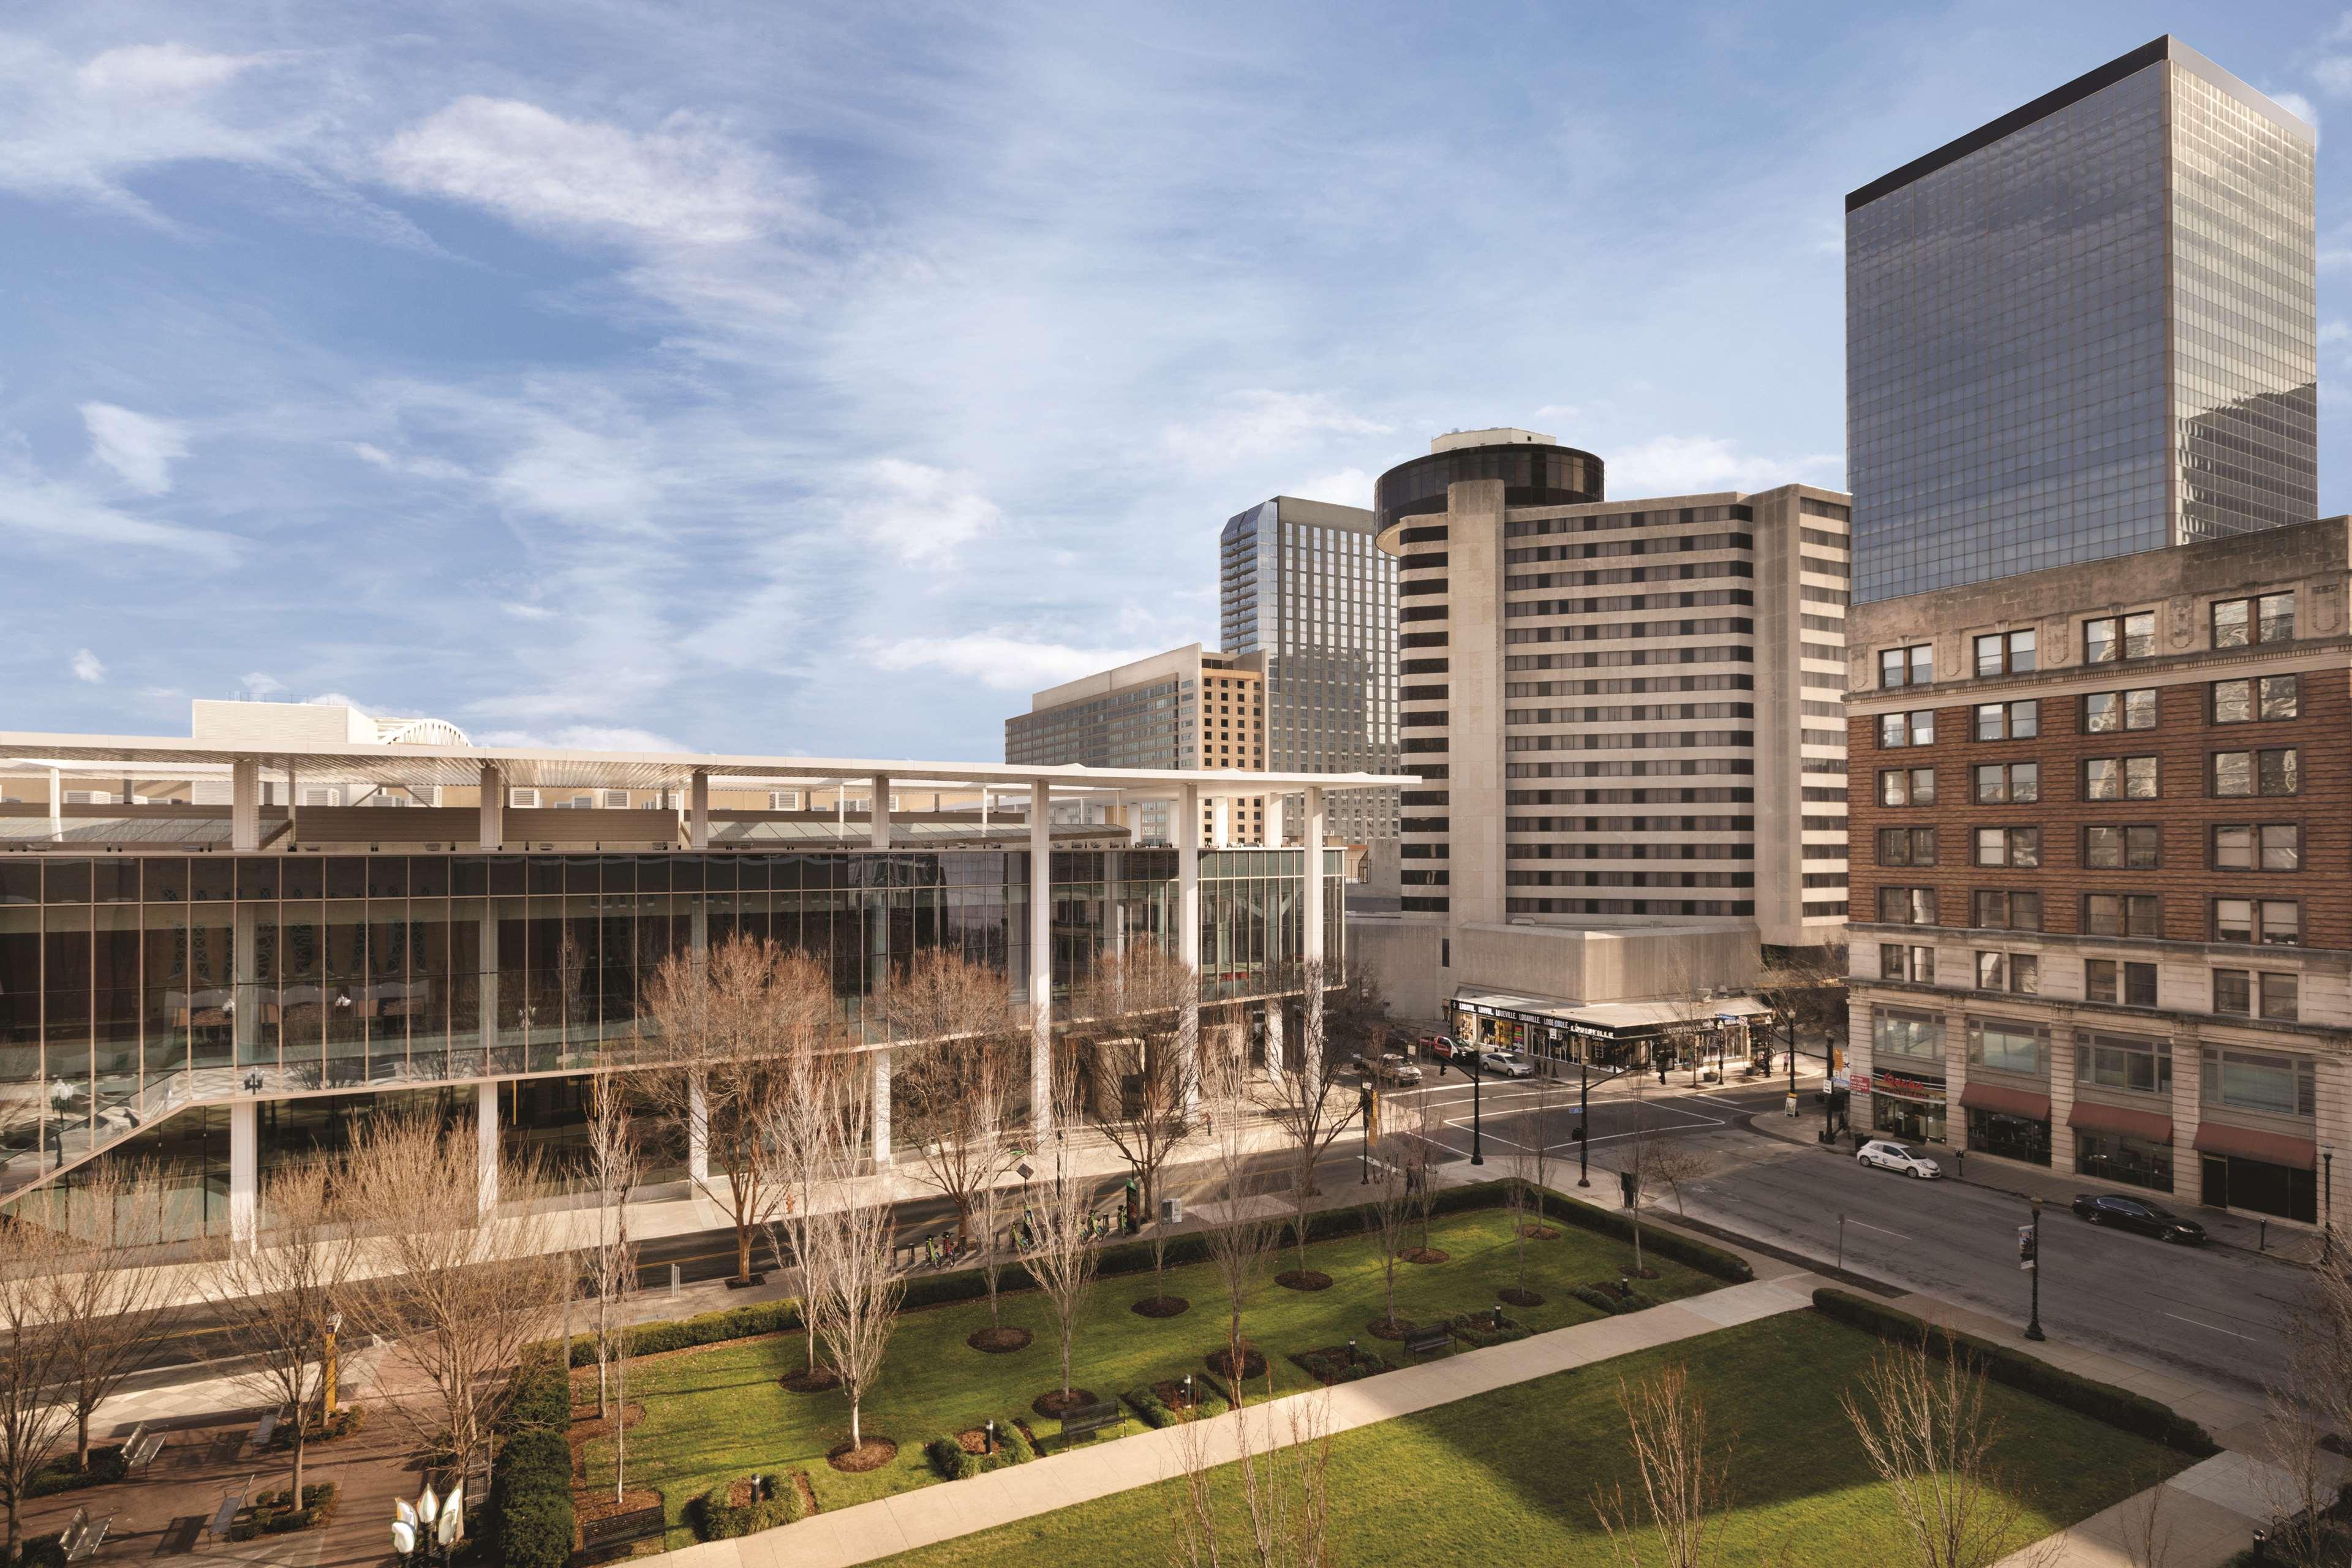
{"points": [[1240, 1245], [730, 1024], [33, 1420], [1313, 1110], [1805, 988], [1142, 1052], [275, 1295], [1677, 1164], [1388, 1219], [847, 1263], [1931, 1442], [1420, 1152], [2311, 1399], [1685, 1485], [952, 1079], [615, 1164], [1285, 1517], [1532, 1171], [1637, 1156], [2145, 1521], [800, 1136], [459, 1290], [110, 1301], [1062, 1257]]}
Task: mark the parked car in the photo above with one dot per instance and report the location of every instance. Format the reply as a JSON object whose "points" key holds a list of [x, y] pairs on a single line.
{"points": [[1441, 1047], [1510, 1064], [1390, 1068], [2139, 1214], [1890, 1156]]}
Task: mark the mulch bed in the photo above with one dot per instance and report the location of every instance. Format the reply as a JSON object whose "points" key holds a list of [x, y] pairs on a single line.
{"points": [[1512, 1296], [744, 1282], [1221, 1362], [1303, 1279], [1381, 1328], [975, 1440], [1027, 1431], [1540, 1231], [598, 1505], [587, 1426], [823, 1380], [1161, 1307], [871, 1455], [1000, 1341], [1425, 1254], [1171, 1394], [1052, 1405]]}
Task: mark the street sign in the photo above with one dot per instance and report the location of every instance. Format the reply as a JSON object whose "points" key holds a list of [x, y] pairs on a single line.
{"points": [[2025, 1246], [1023, 1171]]}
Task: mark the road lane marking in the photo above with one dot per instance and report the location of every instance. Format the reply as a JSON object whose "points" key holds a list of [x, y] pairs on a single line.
{"points": [[2217, 1327], [1863, 1225]]}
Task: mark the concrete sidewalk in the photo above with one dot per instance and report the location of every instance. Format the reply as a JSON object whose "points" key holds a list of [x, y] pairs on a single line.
{"points": [[937, 1513]]}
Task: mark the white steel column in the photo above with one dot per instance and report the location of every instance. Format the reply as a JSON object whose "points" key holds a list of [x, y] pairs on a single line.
{"points": [[245, 803], [1221, 822], [880, 817], [1188, 942], [244, 1170], [699, 812], [1311, 948], [698, 1128], [493, 786], [1041, 956], [882, 1107], [1273, 822], [486, 1145], [57, 804]]}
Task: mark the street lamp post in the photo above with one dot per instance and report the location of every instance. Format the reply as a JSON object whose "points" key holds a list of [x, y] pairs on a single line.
{"points": [[2327, 1196], [1477, 1148], [2033, 1266], [1584, 1121]]}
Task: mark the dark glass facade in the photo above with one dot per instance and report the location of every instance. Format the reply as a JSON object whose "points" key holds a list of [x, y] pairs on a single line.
{"points": [[2088, 329], [1532, 476]]}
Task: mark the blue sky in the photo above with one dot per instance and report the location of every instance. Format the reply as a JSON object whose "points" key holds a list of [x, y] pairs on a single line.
{"points": [[823, 379]]}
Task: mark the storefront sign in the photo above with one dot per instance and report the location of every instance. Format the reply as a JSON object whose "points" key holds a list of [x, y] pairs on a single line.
{"points": [[1907, 1088]]}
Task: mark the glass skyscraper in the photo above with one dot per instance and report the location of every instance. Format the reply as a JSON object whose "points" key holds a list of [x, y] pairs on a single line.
{"points": [[1300, 581], [2083, 330]]}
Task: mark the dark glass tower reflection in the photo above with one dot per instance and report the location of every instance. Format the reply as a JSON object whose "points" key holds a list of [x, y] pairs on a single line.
{"points": [[2086, 328]]}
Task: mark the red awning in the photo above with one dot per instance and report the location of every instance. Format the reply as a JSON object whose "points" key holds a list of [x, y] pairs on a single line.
{"points": [[2151, 1126], [2276, 1148], [2011, 1102]]}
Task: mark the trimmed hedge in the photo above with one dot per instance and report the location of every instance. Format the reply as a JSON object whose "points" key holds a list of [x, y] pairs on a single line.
{"points": [[2118, 1407], [949, 1458], [1154, 1411], [65, 1474], [1332, 1366], [531, 1500], [717, 1518], [273, 1514], [1689, 1251], [344, 1423], [1610, 1301], [1479, 1328], [686, 1333], [42, 1551]]}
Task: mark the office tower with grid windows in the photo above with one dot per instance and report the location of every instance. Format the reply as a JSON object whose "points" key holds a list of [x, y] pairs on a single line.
{"points": [[2083, 330], [1301, 583]]}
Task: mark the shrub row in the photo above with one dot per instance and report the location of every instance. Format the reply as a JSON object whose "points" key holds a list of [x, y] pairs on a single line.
{"points": [[1333, 1365], [344, 1423], [1689, 1251], [949, 1458], [274, 1514], [65, 1474], [530, 1496], [684, 1333], [2118, 1407], [1479, 1328], [717, 1518], [1610, 1302]]}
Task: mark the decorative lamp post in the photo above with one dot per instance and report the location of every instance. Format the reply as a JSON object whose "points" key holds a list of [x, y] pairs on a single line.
{"points": [[2029, 1247]]}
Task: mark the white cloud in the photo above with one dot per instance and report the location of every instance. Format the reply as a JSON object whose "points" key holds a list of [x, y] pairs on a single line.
{"points": [[685, 182], [920, 514], [2333, 333], [1691, 465], [66, 516], [1348, 487], [260, 686], [88, 667], [523, 612], [148, 71], [585, 738], [2302, 107], [1260, 421], [998, 660], [140, 448], [339, 700]]}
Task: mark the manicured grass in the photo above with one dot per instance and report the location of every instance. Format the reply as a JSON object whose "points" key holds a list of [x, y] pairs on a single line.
{"points": [[714, 1414], [1509, 1477]]}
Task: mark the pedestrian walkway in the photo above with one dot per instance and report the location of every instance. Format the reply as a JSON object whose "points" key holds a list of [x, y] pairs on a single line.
{"points": [[932, 1514], [2200, 1518]]}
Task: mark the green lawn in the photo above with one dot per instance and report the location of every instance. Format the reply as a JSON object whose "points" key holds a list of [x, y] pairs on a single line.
{"points": [[714, 1414], [1508, 1477]]}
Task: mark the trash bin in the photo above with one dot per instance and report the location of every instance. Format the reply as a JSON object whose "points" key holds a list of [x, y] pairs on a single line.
{"points": [[1171, 1211]]}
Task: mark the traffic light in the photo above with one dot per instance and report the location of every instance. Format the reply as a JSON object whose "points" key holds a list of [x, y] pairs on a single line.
{"points": [[2025, 1244]]}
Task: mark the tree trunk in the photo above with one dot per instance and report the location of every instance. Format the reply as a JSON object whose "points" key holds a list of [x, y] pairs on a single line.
{"points": [[81, 1437], [855, 1441], [15, 1528], [299, 1446], [743, 1250]]}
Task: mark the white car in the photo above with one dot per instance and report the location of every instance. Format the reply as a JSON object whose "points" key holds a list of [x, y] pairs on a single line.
{"points": [[1510, 1064], [1889, 1156]]}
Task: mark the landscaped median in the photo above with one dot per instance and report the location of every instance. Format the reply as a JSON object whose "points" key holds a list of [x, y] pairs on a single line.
{"points": [[716, 1410]]}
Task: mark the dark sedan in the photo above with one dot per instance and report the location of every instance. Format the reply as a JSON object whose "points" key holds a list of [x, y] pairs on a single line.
{"points": [[2139, 1214]]}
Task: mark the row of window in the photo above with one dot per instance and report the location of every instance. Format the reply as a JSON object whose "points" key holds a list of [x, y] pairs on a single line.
{"points": [[2249, 700], [2268, 922], [2107, 639], [2228, 776], [2136, 847], [2237, 992], [2236, 1079]]}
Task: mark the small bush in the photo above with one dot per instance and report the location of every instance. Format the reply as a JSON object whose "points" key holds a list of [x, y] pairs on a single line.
{"points": [[1333, 1365], [949, 1458], [345, 1422], [272, 1514], [2118, 1407], [542, 1396], [1154, 1411], [1479, 1328], [42, 1551], [65, 1474], [717, 1518]]}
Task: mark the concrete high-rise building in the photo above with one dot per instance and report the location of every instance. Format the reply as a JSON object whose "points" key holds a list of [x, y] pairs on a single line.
{"points": [[1626, 716], [2083, 330], [1300, 584]]}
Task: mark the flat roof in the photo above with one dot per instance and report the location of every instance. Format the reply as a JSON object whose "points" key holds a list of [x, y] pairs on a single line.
{"points": [[1613, 1017], [533, 767]]}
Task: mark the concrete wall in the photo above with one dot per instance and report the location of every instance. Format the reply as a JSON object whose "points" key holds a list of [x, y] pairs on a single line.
{"points": [[1420, 965]]}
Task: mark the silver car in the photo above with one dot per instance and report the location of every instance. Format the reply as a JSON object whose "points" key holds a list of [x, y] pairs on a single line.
{"points": [[1510, 1064]]}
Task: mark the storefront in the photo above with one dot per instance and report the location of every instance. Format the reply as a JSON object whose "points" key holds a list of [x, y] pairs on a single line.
{"points": [[2011, 1123], [2264, 1173], [1908, 1108], [1609, 1034], [2122, 1143]]}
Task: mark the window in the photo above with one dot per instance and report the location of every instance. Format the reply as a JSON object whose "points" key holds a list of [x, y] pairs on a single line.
{"points": [[1906, 666], [2256, 1080], [1916, 729], [2119, 914], [2106, 711], [2274, 771], [2266, 698], [2258, 846], [2119, 848], [1906, 787], [2105, 980], [2018, 783], [2238, 623], [783, 800], [2119, 778], [1908, 906], [1919, 1036], [2020, 973], [523, 797], [2114, 1061], [1906, 846], [2007, 720], [2008, 846], [1997, 910], [2004, 653], [2008, 1047], [2241, 993], [1899, 961], [2113, 638], [2271, 922]]}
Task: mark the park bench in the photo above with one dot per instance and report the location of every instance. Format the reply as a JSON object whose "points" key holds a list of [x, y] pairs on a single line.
{"points": [[231, 1505], [1086, 1420], [81, 1538], [139, 1449], [1426, 1341], [265, 1430], [618, 1534]]}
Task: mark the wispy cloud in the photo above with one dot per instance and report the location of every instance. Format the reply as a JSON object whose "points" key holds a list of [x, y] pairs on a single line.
{"points": [[1692, 465], [48, 514], [88, 668], [1259, 421], [139, 448], [1002, 661], [920, 514]]}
